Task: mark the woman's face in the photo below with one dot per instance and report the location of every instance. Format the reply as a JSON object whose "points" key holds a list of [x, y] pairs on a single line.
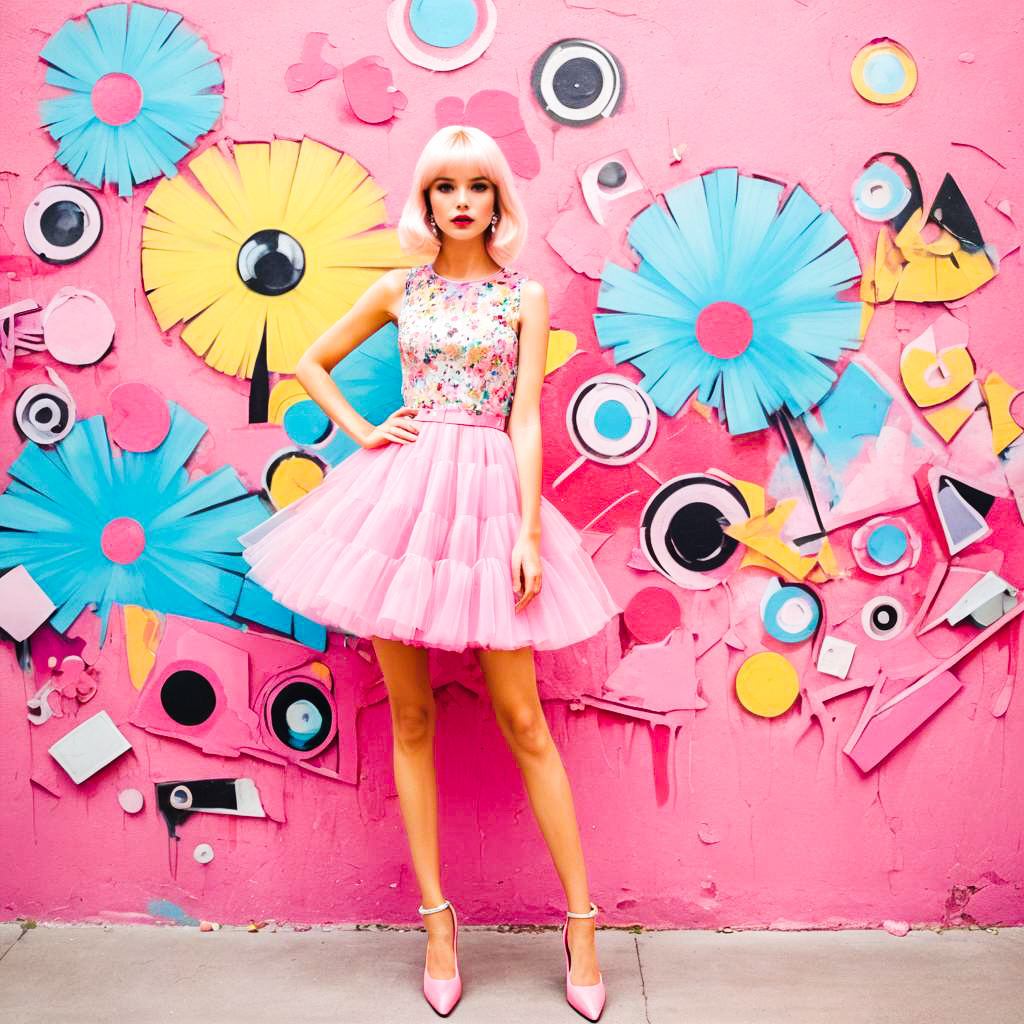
{"points": [[462, 203]]}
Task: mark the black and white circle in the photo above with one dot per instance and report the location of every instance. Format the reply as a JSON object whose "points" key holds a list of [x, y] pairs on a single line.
{"points": [[44, 413], [611, 420], [62, 224], [883, 618], [577, 81], [682, 530]]}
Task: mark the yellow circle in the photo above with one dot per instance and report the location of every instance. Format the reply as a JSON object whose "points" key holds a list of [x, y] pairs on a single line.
{"points": [[293, 477], [884, 72], [767, 684]]}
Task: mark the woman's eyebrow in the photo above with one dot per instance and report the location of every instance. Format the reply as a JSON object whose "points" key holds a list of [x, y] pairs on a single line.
{"points": [[479, 177]]}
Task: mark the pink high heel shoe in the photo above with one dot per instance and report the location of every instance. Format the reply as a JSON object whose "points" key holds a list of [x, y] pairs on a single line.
{"points": [[443, 993], [585, 999]]}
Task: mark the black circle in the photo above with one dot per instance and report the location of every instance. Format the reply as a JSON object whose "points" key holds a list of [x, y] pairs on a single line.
{"points": [[611, 175], [695, 537], [271, 262], [47, 411], [62, 223], [187, 697], [884, 617], [43, 415], [578, 82], [289, 694]]}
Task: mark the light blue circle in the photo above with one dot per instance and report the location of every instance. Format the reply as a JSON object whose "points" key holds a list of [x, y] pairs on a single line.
{"points": [[887, 544], [612, 419], [775, 603], [443, 22], [878, 174], [306, 423], [885, 73]]}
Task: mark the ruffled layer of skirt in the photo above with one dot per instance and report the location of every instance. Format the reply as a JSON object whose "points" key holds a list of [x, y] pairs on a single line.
{"points": [[413, 542]]}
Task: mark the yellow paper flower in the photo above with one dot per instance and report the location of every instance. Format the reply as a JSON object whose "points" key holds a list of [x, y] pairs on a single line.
{"points": [[286, 238]]}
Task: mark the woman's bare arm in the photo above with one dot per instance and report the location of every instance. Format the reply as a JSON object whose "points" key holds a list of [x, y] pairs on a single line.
{"points": [[371, 311]]}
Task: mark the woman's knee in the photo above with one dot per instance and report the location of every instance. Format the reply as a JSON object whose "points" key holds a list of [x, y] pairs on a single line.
{"points": [[413, 723], [526, 729]]}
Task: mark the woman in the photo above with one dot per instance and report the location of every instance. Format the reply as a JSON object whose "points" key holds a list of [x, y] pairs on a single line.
{"points": [[435, 533]]}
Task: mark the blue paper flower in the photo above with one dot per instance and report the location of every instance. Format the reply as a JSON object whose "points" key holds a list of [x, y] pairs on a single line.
{"points": [[139, 94], [734, 298], [95, 527]]}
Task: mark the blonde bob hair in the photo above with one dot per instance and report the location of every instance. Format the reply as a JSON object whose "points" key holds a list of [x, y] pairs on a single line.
{"points": [[468, 149]]}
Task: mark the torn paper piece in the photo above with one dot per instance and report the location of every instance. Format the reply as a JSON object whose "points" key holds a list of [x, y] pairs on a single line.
{"points": [[658, 677], [999, 396], [497, 113], [89, 747], [78, 327], [986, 602], [178, 800], [835, 657], [312, 68], [371, 92], [960, 505], [611, 180], [24, 605]]}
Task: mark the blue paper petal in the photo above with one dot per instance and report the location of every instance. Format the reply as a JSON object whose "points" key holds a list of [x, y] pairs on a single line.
{"points": [[728, 240], [60, 500], [175, 70]]}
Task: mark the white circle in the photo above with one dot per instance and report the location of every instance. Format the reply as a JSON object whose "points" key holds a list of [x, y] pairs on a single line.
{"points": [[180, 798], [130, 800], [795, 614], [203, 853]]}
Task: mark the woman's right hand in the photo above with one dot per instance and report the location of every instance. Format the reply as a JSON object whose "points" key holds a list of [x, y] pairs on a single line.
{"points": [[396, 428]]}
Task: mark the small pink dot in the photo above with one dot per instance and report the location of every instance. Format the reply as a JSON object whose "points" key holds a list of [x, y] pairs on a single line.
{"points": [[123, 540], [116, 99], [724, 330]]}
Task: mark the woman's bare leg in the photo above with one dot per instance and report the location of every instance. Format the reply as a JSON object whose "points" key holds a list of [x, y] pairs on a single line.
{"points": [[512, 684], [413, 717]]}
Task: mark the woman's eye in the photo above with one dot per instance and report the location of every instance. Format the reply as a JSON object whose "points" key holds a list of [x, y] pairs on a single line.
{"points": [[481, 186]]}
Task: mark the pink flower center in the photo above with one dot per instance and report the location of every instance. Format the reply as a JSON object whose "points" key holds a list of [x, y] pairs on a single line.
{"points": [[116, 99], [724, 330], [123, 540]]}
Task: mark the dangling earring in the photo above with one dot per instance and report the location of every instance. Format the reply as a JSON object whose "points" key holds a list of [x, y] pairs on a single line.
{"points": [[494, 220], [433, 224]]}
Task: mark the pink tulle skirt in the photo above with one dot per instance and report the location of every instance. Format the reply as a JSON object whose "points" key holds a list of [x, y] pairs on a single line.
{"points": [[413, 542]]}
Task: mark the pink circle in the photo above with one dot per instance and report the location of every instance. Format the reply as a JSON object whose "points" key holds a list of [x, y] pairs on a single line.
{"points": [[139, 417], [652, 613], [724, 330], [116, 99], [123, 540]]}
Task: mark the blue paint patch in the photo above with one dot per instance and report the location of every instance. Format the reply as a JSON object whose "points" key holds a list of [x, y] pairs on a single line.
{"points": [[887, 544], [443, 22], [306, 423], [885, 73], [165, 908], [612, 419]]}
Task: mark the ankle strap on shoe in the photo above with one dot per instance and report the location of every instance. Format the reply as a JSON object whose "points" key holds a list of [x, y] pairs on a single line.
{"points": [[592, 913], [434, 910]]}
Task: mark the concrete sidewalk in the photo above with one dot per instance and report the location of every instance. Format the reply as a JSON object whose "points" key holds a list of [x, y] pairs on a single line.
{"points": [[144, 973]]}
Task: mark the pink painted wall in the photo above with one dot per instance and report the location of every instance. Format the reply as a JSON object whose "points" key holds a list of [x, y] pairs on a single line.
{"points": [[729, 818]]}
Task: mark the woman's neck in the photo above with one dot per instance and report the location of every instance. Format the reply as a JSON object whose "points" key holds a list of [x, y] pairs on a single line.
{"points": [[464, 260]]}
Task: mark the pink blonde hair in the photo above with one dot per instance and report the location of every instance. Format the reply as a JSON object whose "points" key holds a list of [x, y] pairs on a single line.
{"points": [[463, 148]]}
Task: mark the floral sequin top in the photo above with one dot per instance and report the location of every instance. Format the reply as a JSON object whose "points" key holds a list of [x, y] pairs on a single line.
{"points": [[459, 340]]}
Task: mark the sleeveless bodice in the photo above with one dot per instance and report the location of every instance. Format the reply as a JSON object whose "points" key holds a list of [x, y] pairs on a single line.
{"points": [[458, 341]]}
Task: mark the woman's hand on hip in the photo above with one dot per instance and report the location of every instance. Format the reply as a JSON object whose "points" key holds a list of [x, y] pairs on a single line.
{"points": [[396, 428], [526, 574]]}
